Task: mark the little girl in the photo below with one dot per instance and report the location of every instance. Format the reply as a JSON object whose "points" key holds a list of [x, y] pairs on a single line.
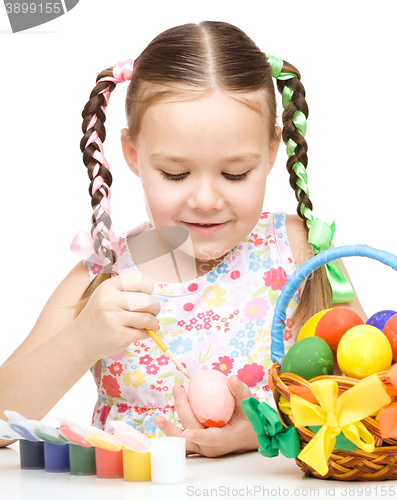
{"points": [[202, 137]]}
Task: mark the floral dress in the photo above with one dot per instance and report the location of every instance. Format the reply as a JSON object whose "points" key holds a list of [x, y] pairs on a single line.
{"points": [[219, 321]]}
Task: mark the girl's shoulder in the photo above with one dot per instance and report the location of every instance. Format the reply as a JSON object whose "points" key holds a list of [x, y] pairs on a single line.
{"points": [[298, 239]]}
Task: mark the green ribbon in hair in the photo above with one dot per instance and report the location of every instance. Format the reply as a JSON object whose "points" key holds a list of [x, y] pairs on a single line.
{"points": [[320, 238], [320, 233]]}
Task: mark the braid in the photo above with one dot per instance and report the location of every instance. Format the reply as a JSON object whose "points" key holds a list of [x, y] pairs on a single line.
{"points": [[295, 114], [293, 135], [102, 241], [98, 170], [316, 295]]}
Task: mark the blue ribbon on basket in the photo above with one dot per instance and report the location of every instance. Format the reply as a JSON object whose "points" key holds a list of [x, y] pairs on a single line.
{"points": [[277, 352]]}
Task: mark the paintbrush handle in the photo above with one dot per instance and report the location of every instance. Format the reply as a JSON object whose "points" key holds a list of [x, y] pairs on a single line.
{"points": [[158, 341], [167, 352], [177, 363]]}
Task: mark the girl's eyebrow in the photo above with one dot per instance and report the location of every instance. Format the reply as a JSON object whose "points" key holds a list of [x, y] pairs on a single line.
{"points": [[178, 159]]}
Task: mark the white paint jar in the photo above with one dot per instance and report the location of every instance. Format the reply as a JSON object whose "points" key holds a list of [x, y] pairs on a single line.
{"points": [[168, 460]]}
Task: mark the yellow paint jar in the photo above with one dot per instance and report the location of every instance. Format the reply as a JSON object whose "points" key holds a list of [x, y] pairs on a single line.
{"points": [[136, 465]]}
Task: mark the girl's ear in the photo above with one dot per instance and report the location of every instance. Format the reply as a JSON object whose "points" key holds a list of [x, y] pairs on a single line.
{"points": [[129, 152], [273, 149]]}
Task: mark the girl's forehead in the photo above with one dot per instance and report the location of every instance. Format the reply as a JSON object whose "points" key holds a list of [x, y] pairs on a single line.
{"points": [[211, 119]]}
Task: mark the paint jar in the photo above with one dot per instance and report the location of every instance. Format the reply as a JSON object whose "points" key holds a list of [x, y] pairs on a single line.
{"points": [[31, 454], [56, 457], [74, 434], [109, 464], [23, 431], [168, 460], [49, 434], [136, 465], [82, 460]]}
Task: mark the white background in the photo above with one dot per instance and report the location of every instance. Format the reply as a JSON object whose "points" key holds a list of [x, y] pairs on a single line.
{"points": [[345, 51]]}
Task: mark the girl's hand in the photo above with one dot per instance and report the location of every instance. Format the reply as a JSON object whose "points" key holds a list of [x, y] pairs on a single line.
{"points": [[116, 314], [236, 435]]}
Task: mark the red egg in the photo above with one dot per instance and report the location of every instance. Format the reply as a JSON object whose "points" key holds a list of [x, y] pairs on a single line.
{"points": [[335, 323], [390, 330]]}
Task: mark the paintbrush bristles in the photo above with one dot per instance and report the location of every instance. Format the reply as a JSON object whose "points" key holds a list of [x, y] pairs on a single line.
{"points": [[177, 363]]}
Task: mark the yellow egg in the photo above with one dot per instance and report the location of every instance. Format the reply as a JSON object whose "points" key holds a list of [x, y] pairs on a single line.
{"points": [[309, 327], [362, 351]]}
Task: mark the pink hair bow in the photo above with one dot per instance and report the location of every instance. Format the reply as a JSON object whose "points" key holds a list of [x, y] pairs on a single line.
{"points": [[122, 72], [83, 246]]}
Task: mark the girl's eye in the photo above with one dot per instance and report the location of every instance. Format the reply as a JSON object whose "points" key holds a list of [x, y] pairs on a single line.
{"points": [[170, 177], [179, 177]]}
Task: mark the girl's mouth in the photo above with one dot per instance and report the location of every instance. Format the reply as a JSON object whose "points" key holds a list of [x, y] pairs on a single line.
{"points": [[212, 228]]}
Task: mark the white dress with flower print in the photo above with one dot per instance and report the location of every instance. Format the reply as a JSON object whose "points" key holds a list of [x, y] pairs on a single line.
{"points": [[219, 321]]}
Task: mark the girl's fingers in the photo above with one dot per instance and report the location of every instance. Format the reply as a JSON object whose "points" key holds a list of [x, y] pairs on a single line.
{"points": [[211, 436], [171, 430], [138, 302], [183, 409], [134, 281], [240, 391]]}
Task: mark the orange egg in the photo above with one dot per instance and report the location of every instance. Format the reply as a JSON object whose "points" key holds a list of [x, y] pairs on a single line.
{"points": [[390, 330], [335, 323], [210, 398]]}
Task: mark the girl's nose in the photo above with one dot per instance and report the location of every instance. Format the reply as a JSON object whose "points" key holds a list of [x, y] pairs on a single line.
{"points": [[206, 195]]}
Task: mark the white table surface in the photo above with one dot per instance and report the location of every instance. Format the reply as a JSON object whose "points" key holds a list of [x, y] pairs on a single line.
{"points": [[242, 475]]}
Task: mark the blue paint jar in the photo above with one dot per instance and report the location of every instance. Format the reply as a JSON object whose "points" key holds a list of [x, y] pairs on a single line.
{"points": [[56, 457]]}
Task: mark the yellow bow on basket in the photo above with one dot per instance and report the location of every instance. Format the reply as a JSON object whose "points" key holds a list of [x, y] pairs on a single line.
{"points": [[337, 414]]}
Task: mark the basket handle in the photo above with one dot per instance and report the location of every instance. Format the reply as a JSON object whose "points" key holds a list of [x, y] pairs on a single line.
{"points": [[277, 351]]}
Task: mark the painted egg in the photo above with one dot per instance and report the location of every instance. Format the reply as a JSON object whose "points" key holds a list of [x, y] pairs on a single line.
{"points": [[390, 330], [210, 398], [309, 358], [309, 328], [379, 319], [335, 323], [363, 350]]}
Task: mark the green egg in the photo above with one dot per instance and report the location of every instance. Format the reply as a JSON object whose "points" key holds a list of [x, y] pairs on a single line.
{"points": [[341, 443], [310, 357]]}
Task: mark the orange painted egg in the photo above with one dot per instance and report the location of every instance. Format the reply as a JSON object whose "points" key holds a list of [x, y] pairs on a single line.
{"points": [[335, 323], [210, 398], [390, 330]]}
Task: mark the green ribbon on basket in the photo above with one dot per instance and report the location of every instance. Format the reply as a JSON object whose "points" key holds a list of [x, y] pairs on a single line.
{"points": [[320, 238], [271, 434]]}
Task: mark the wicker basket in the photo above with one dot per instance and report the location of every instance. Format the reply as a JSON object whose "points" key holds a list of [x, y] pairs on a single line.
{"points": [[343, 465]]}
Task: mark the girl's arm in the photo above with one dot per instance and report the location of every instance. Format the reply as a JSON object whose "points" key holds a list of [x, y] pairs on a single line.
{"points": [[49, 361], [302, 251], [60, 349]]}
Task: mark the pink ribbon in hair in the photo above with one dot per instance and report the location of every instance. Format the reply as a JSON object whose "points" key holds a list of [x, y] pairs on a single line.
{"points": [[122, 72], [83, 246]]}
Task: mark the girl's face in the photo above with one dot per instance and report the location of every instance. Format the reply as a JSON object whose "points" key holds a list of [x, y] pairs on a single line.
{"points": [[204, 143]]}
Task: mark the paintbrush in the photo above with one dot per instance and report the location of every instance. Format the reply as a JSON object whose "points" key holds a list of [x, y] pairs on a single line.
{"points": [[149, 245], [167, 352]]}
